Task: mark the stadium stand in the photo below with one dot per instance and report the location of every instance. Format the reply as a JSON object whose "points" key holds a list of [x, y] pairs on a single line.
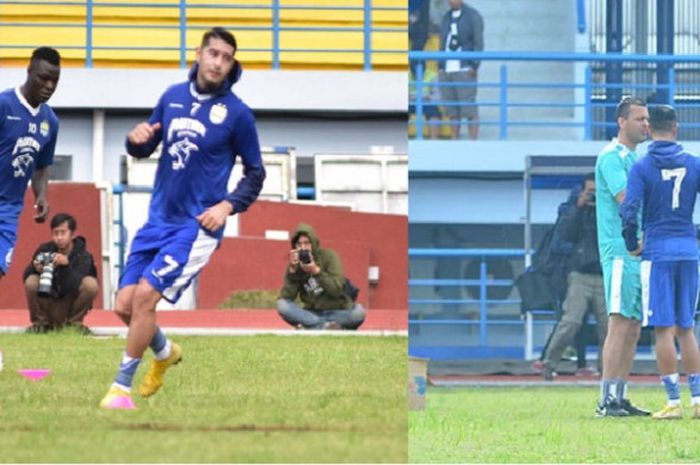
{"points": [[287, 34]]}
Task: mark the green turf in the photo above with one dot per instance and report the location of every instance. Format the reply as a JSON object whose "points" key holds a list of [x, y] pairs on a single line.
{"points": [[232, 399], [545, 425]]}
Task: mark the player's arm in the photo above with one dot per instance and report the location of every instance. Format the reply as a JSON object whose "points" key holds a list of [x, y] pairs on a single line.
{"points": [[143, 139], [629, 209], [246, 192], [246, 145], [40, 176]]}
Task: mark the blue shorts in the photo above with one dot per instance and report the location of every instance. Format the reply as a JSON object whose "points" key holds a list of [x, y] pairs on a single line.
{"points": [[7, 246], [669, 293], [168, 256]]}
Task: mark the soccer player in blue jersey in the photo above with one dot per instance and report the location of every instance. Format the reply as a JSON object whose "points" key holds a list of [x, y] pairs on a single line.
{"points": [[28, 131], [664, 184], [620, 271], [203, 126]]}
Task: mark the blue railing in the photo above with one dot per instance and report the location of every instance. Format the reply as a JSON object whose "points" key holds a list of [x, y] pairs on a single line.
{"points": [[592, 97], [482, 302], [275, 29]]}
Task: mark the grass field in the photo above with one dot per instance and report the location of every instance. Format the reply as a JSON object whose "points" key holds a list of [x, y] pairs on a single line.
{"points": [[545, 425], [234, 399]]}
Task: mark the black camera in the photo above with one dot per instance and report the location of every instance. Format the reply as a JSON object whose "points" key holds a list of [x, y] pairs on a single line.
{"points": [[590, 197], [454, 44], [46, 277], [304, 256]]}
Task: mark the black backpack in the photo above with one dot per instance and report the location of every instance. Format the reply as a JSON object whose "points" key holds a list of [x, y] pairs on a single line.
{"points": [[351, 290]]}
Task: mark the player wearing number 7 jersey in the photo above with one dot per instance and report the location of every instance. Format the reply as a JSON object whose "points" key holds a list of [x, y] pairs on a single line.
{"points": [[204, 127], [665, 184]]}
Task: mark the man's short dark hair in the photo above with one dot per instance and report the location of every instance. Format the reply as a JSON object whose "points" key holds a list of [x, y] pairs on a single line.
{"points": [[589, 177], [47, 54], [623, 108], [60, 218], [662, 118], [219, 33]]}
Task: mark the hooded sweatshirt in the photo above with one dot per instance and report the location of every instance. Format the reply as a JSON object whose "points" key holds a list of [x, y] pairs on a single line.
{"points": [[324, 291], [202, 135], [665, 183]]}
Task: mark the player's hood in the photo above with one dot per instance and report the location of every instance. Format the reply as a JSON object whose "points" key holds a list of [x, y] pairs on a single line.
{"points": [[308, 231], [233, 76], [666, 154]]}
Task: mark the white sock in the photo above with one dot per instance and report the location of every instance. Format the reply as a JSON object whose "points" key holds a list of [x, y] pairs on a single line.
{"points": [[123, 388], [674, 402], [695, 400], [165, 351]]}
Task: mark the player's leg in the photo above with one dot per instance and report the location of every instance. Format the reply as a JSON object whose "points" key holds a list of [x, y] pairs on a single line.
{"points": [[614, 340], [660, 307], [178, 263], [631, 309], [687, 295]]}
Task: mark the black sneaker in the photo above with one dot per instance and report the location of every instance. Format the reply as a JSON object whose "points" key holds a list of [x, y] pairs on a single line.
{"points": [[548, 374], [633, 410], [611, 408]]}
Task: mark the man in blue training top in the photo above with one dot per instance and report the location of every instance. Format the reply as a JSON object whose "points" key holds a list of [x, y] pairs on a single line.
{"points": [[623, 295], [203, 126], [28, 131], [665, 183]]}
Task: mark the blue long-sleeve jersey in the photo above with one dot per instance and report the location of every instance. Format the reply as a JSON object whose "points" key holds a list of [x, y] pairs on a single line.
{"points": [[665, 183], [27, 143], [202, 134]]}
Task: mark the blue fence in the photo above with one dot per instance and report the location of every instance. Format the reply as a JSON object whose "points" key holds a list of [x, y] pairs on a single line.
{"points": [[598, 93], [182, 6], [483, 320]]}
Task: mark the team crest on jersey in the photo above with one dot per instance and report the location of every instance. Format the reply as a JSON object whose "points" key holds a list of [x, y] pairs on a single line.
{"points": [[180, 152], [44, 128], [218, 113]]}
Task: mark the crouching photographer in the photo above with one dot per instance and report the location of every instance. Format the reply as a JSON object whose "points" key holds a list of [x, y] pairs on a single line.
{"points": [[61, 280], [316, 276]]}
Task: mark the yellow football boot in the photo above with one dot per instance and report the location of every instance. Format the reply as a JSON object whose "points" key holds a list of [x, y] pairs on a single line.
{"points": [[669, 412], [153, 379]]}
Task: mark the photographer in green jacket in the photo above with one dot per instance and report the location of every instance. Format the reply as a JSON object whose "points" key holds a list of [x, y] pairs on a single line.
{"points": [[316, 276]]}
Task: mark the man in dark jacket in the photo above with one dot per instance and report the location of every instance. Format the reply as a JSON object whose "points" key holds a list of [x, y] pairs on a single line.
{"points": [[461, 30], [585, 281], [316, 276], [73, 285]]}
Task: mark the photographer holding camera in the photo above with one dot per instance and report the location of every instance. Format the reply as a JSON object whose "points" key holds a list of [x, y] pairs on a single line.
{"points": [[316, 276], [577, 224], [61, 280]]}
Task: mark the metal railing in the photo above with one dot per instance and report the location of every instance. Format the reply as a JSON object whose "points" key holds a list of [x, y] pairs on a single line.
{"points": [[592, 99], [275, 28]]}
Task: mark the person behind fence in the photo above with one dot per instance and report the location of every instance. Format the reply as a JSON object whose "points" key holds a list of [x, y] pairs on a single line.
{"points": [[577, 224], [623, 293], [61, 280], [430, 111], [664, 185], [315, 275], [461, 30]]}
